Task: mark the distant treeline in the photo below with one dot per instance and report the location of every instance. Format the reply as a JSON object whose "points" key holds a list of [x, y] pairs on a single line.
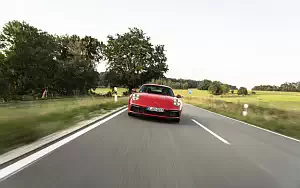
{"points": [[294, 87], [174, 83], [188, 83]]}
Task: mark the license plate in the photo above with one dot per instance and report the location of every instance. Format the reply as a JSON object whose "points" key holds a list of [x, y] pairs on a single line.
{"points": [[154, 109]]}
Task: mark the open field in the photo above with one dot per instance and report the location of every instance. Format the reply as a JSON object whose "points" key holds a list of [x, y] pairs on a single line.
{"points": [[24, 122], [105, 90], [270, 99], [276, 111]]}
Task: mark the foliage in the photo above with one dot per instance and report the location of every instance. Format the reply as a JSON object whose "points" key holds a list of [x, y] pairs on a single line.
{"points": [[232, 91], [215, 88], [173, 83], [293, 87], [132, 60], [225, 88], [204, 84], [32, 60], [243, 91]]}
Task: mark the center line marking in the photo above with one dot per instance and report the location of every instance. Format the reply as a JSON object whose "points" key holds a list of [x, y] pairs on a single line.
{"points": [[214, 134]]}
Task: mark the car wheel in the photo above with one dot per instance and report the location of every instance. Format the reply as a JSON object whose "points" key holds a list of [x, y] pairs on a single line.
{"points": [[129, 114]]}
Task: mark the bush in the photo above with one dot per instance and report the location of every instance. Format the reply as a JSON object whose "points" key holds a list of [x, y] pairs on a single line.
{"points": [[242, 91], [126, 93], [204, 84], [108, 94], [215, 88], [253, 92], [232, 91], [225, 88]]}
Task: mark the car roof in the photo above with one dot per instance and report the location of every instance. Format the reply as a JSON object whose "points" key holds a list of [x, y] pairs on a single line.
{"points": [[156, 85]]}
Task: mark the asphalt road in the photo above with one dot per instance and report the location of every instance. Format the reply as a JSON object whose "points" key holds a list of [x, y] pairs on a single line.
{"points": [[131, 152]]}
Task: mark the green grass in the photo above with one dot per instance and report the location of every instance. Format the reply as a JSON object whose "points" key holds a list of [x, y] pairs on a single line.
{"points": [[105, 90], [276, 111], [25, 122], [269, 99]]}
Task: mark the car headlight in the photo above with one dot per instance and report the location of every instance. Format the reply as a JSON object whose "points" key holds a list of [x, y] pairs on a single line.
{"points": [[135, 97], [176, 102]]}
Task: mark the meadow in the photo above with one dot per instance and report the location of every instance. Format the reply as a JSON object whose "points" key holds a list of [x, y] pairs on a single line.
{"points": [[22, 122], [276, 111], [270, 99], [105, 90], [26, 121]]}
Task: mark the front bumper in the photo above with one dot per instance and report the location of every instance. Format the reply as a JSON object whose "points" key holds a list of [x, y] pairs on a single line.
{"points": [[140, 110]]}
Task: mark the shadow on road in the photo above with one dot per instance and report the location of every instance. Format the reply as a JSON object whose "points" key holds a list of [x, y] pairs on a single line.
{"points": [[184, 120]]}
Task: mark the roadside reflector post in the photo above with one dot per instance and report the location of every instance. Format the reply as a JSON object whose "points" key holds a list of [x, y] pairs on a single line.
{"points": [[245, 111], [190, 93], [116, 94]]}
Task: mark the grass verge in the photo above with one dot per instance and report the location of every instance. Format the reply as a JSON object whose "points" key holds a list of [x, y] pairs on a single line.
{"points": [[24, 123], [281, 121]]}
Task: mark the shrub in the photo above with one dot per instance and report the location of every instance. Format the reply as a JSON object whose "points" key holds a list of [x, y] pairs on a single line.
{"points": [[232, 91], [242, 91], [253, 92], [225, 88], [215, 88], [204, 84], [126, 93], [108, 94]]}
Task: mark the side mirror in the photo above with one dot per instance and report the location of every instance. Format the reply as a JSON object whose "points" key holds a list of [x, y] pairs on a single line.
{"points": [[133, 90], [179, 96]]}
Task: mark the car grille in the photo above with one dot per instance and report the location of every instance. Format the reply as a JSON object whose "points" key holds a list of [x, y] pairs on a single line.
{"points": [[168, 113]]}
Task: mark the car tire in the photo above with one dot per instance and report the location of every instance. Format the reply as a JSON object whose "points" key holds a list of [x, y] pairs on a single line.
{"points": [[129, 114]]}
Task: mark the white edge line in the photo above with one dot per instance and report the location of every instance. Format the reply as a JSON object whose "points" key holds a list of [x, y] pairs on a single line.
{"points": [[23, 163], [249, 124], [214, 134]]}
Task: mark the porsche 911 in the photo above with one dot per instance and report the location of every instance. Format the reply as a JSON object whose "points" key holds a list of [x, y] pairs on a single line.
{"points": [[155, 101]]}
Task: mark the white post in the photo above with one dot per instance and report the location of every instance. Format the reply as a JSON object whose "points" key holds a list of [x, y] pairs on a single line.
{"points": [[116, 94], [245, 112]]}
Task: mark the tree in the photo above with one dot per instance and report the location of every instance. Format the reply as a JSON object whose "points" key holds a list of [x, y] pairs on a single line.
{"points": [[185, 85], [225, 88], [29, 57], [204, 84], [215, 88], [32, 60], [243, 91], [231, 87], [77, 59], [133, 59], [288, 87]]}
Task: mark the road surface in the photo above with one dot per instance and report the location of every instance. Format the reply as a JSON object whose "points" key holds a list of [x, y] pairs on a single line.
{"points": [[203, 150]]}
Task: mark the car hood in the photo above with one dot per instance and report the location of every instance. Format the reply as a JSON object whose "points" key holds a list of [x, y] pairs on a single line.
{"points": [[154, 100]]}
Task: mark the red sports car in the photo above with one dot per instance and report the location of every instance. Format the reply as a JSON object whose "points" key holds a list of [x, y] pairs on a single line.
{"points": [[155, 100]]}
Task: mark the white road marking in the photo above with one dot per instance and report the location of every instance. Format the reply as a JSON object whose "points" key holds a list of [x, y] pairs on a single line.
{"points": [[23, 163], [249, 124], [214, 134]]}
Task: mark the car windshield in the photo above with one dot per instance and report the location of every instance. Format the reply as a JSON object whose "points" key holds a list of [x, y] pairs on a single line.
{"points": [[160, 90]]}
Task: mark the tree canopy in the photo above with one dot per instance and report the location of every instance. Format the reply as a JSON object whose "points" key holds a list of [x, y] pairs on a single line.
{"points": [[204, 84], [293, 86], [32, 60], [242, 91], [132, 60]]}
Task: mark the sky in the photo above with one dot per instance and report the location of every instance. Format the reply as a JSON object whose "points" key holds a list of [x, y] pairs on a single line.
{"points": [[239, 42]]}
